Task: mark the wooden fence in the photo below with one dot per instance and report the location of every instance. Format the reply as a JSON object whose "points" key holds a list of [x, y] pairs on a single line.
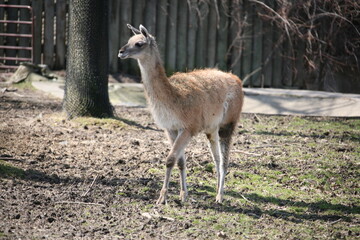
{"points": [[228, 34], [192, 34]]}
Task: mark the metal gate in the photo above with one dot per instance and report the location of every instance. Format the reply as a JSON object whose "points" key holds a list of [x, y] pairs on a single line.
{"points": [[11, 59]]}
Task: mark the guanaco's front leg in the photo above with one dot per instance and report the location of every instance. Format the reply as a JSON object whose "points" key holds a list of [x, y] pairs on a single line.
{"points": [[177, 152]]}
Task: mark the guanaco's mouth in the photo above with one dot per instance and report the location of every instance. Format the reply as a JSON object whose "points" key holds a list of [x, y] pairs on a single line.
{"points": [[123, 55]]}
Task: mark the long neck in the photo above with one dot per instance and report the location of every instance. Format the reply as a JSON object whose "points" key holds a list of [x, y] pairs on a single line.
{"points": [[155, 81]]}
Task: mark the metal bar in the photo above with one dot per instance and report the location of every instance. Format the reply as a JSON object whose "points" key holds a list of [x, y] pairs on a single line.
{"points": [[15, 21], [31, 48], [15, 58], [15, 35], [8, 66], [15, 6], [15, 47]]}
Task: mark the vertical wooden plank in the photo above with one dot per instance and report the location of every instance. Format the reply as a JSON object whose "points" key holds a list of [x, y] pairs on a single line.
{"points": [[191, 38], [277, 59], [212, 32], [138, 12], [257, 49], [268, 46], [2, 29], [60, 34], [201, 39], [287, 65], [25, 29], [222, 35], [49, 10], [300, 74], [181, 36], [150, 16], [138, 7], [12, 14], [125, 32], [246, 57], [171, 43], [114, 15], [37, 8], [236, 32], [161, 26]]}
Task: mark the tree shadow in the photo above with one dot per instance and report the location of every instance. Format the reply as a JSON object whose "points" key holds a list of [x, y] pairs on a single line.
{"points": [[312, 211], [24, 104], [8, 171], [346, 135], [136, 124]]}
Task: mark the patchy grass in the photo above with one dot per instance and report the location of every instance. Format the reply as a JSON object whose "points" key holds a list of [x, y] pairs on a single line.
{"points": [[85, 122], [289, 178], [7, 170], [27, 85], [304, 184]]}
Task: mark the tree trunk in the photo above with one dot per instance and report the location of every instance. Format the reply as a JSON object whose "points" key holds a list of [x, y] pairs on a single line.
{"points": [[86, 88]]}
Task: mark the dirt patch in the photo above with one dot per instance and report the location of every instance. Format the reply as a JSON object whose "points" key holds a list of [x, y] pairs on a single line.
{"points": [[290, 177]]}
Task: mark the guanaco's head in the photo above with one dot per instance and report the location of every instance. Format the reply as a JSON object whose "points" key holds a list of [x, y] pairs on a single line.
{"points": [[138, 45]]}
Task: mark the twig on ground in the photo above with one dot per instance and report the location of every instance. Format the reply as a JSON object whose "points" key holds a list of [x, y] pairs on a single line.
{"points": [[80, 203], [265, 146], [336, 221], [247, 199], [90, 186], [156, 215], [247, 153]]}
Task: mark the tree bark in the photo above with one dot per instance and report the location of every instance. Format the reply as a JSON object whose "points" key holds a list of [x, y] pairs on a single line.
{"points": [[86, 87]]}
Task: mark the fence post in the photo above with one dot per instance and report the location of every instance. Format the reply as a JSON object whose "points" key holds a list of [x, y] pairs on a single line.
{"points": [[2, 15], [161, 27], [181, 36], [236, 31], [222, 35], [150, 16], [12, 14], [171, 43], [211, 37], [124, 32], [268, 49], [25, 15], [257, 49], [37, 8], [246, 57], [138, 7], [60, 34], [114, 21], [49, 33], [201, 39], [191, 38]]}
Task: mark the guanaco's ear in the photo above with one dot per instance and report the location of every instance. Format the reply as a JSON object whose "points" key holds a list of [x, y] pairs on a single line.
{"points": [[134, 30], [144, 31]]}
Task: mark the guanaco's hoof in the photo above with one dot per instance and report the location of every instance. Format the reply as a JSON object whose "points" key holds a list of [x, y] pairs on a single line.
{"points": [[219, 198], [162, 198], [183, 196]]}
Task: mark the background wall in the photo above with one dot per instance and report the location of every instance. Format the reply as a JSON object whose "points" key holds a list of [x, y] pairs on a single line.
{"points": [[269, 43]]}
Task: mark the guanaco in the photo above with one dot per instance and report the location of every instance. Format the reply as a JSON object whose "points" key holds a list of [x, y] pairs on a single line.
{"points": [[185, 104]]}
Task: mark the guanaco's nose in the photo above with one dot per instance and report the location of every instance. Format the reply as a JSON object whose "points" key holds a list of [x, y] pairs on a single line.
{"points": [[121, 53]]}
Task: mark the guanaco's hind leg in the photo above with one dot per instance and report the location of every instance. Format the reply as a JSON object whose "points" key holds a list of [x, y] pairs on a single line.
{"points": [[217, 155], [176, 155], [220, 141]]}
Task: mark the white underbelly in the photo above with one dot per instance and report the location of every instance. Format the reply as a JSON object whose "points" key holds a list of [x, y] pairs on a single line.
{"points": [[165, 118]]}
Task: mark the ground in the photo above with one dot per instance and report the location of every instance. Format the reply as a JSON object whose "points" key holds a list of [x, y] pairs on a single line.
{"points": [[289, 177]]}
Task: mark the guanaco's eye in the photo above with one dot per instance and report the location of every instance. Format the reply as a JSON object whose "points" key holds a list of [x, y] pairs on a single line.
{"points": [[139, 44]]}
